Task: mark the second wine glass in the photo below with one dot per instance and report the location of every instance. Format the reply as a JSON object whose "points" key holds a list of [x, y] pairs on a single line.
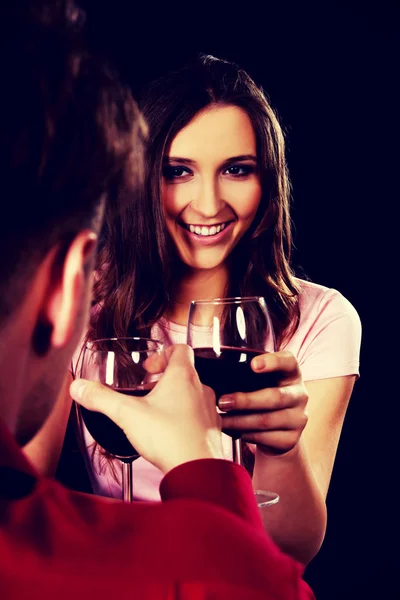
{"points": [[120, 364], [226, 334]]}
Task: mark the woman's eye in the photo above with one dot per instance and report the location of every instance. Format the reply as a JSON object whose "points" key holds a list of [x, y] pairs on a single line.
{"points": [[170, 172], [239, 170]]}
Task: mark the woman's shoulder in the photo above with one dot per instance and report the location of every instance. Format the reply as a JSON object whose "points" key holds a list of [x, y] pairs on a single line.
{"points": [[309, 290], [327, 340], [315, 299]]}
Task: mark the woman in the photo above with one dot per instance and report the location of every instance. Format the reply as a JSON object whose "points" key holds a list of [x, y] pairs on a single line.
{"points": [[217, 203], [217, 200]]}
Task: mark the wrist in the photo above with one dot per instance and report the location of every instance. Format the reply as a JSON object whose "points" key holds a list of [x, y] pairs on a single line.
{"points": [[187, 453]]}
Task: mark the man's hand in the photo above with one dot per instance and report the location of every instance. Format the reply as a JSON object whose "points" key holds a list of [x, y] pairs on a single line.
{"points": [[175, 423]]}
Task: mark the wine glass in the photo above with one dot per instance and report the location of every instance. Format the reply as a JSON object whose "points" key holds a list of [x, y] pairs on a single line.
{"points": [[118, 363], [226, 334]]}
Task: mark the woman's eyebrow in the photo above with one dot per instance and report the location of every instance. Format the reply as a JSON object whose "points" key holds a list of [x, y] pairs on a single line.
{"points": [[188, 161]]}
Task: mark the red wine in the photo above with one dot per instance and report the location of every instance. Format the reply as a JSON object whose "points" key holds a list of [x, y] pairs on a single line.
{"points": [[230, 371], [107, 434]]}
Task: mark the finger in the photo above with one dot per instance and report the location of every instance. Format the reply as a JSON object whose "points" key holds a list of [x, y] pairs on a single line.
{"points": [[283, 362], [100, 398], [177, 355], [283, 420], [276, 442], [181, 364], [209, 395], [157, 362], [180, 355], [276, 398]]}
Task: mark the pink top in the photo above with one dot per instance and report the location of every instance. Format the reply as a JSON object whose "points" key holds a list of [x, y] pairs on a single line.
{"points": [[326, 344]]}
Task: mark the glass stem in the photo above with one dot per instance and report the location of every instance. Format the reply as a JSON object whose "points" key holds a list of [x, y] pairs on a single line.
{"points": [[127, 487], [237, 451]]}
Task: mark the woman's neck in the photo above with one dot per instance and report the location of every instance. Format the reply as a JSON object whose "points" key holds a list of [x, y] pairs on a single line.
{"points": [[196, 285]]}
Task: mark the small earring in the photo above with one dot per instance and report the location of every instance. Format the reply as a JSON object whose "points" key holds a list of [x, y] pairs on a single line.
{"points": [[41, 338]]}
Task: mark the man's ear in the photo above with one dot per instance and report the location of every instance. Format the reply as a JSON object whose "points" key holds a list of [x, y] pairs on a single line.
{"points": [[68, 287]]}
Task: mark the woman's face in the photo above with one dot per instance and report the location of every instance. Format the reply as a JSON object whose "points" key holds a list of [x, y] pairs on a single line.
{"points": [[211, 187]]}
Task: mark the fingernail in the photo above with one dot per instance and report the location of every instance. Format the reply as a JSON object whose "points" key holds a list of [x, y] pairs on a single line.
{"points": [[257, 363], [226, 403], [77, 388]]}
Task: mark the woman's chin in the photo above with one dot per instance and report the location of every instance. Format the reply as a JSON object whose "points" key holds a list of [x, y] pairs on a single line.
{"points": [[204, 265]]}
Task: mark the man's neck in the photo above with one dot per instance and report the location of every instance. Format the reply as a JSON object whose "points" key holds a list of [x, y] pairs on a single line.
{"points": [[13, 357], [19, 365], [196, 285]]}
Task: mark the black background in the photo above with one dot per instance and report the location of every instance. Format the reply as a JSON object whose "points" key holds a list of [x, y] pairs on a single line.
{"points": [[329, 70]]}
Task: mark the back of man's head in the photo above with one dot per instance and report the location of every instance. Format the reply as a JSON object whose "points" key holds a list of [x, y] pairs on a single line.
{"points": [[69, 135]]}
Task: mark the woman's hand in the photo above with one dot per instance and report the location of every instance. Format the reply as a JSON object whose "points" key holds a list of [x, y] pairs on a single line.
{"points": [[273, 418]]}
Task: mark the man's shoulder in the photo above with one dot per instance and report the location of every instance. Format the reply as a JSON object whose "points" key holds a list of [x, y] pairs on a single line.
{"points": [[53, 531]]}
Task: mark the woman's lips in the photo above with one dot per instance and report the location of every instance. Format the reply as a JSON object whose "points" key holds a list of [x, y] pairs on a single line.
{"points": [[207, 240]]}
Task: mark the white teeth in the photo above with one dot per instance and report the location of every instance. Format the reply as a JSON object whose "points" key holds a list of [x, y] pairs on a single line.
{"points": [[206, 231]]}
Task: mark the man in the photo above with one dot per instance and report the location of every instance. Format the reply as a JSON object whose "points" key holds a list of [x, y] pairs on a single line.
{"points": [[71, 140]]}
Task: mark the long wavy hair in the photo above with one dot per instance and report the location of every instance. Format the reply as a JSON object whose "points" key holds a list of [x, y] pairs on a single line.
{"points": [[137, 260]]}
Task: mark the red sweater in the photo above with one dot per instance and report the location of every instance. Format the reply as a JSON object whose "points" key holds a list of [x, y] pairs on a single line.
{"points": [[204, 541]]}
